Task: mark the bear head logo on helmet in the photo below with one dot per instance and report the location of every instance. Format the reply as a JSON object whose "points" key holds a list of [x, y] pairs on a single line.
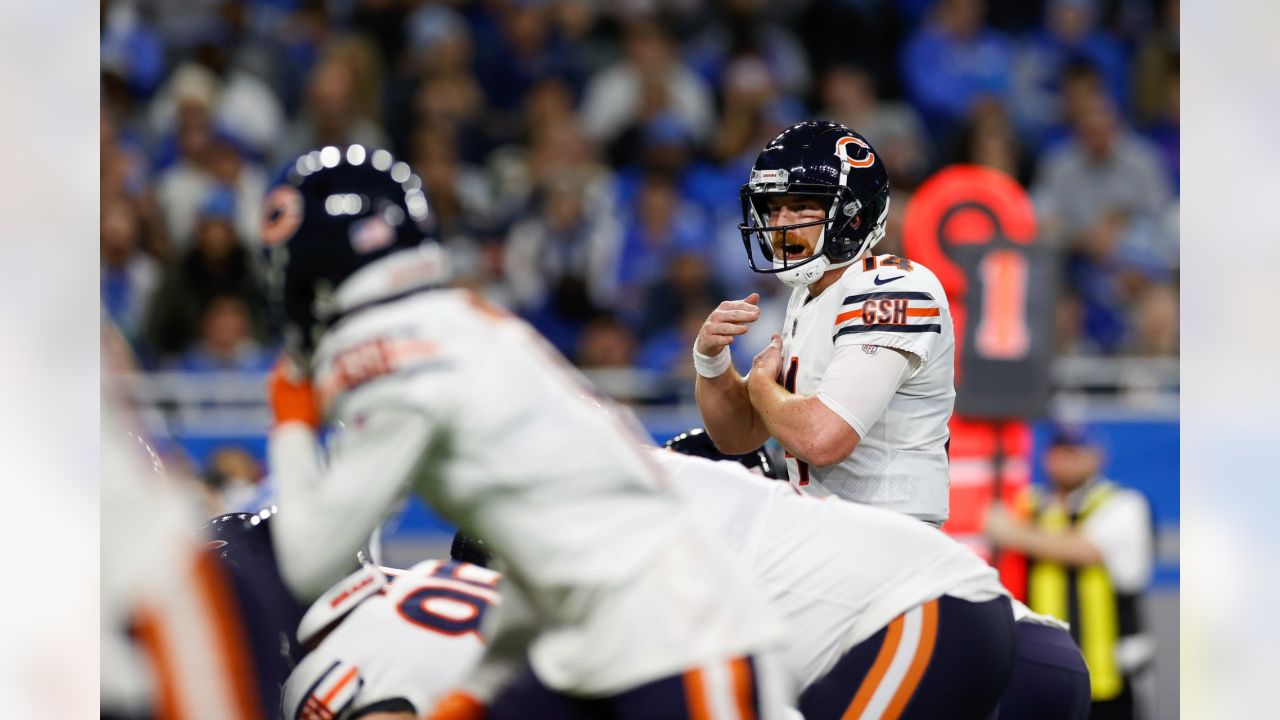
{"points": [[834, 173]]}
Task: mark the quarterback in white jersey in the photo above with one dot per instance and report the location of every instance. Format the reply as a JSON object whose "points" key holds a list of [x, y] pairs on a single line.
{"points": [[858, 387], [390, 641], [432, 390]]}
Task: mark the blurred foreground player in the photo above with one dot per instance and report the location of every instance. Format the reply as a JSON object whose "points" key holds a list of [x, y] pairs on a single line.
{"points": [[858, 387], [886, 616], [390, 666], [242, 544], [1049, 679], [433, 390], [387, 643], [172, 642]]}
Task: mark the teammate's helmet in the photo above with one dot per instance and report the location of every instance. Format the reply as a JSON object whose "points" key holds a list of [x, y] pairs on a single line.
{"points": [[331, 214], [469, 549], [833, 164], [698, 443], [236, 536]]}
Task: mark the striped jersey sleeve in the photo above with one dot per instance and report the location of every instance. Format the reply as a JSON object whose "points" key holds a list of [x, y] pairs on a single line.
{"points": [[906, 310]]}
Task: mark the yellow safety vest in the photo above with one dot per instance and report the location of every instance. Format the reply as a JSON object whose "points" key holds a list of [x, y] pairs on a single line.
{"points": [[1083, 596]]}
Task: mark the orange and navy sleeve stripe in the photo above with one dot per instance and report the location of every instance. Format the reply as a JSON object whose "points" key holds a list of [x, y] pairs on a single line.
{"points": [[901, 311]]}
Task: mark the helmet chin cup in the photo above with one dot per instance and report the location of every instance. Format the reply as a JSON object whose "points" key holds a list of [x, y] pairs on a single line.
{"points": [[804, 275]]}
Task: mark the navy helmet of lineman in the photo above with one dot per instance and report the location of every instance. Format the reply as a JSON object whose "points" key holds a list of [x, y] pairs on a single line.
{"points": [[331, 216], [838, 169]]}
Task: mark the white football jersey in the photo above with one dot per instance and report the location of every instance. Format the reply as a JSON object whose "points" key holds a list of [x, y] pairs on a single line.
{"points": [[409, 641], [165, 629], [443, 394], [837, 571], [901, 461]]}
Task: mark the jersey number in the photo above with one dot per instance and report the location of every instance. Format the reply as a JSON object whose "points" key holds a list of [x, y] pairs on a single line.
{"points": [[1002, 332], [790, 385], [444, 610]]}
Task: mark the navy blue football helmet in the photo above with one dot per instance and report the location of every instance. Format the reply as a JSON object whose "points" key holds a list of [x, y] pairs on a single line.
{"points": [[241, 542], [836, 166], [470, 549], [698, 443], [331, 214]]}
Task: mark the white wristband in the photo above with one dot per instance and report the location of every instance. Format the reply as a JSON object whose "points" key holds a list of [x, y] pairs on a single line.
{"points": [[711, 366]]}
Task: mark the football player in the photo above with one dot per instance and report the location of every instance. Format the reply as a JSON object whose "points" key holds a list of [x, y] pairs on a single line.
{"points": [[388, 643], [857, 387], [394, 648], [241, 542], [886, 616], [172, 641], [433, 390], [1049, 679]]}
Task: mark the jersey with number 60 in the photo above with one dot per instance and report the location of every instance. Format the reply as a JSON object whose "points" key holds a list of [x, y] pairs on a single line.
{"points": [[880, 302], [398, 649], [442, 394]]}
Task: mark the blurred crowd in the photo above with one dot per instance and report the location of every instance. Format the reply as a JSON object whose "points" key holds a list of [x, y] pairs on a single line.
{"points": [[583, 157]]}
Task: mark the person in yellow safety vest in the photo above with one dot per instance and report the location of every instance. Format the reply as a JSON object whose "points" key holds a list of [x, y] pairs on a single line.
{"points": [[1089, 542]]}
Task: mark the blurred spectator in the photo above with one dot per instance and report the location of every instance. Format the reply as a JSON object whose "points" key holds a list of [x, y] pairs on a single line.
{"points": [[127, 277], [1102, 171], [649, 81], [1090, 543], [576, 22], [293, 31], [460, 194], [130, 48], [953, 60], [454, 102], [557, 149], [124, 177], [185, 24], [988, 138], [748, 98], [235, 476], [752, 113], [749, 29], [217, 265], [225, 342], [332, 115], [363, 60], [237, 101], [686, 284], [583, 158], [518, 48], [436, 86], [207, 161], [559, 263], [667, 352], [849, 96], [606, 343], [466, 215], [553, 145], [866, 33], [1164, 127], [1156, 59], [660, 230], [1156, 317], [1070, 34]]}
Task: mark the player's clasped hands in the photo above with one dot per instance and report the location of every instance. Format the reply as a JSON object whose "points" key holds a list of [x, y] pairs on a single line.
{"points": [[768, 362], [731, 318]]}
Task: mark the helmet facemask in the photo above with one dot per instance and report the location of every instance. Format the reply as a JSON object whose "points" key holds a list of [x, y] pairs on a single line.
{"points": [[833, 247]]}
